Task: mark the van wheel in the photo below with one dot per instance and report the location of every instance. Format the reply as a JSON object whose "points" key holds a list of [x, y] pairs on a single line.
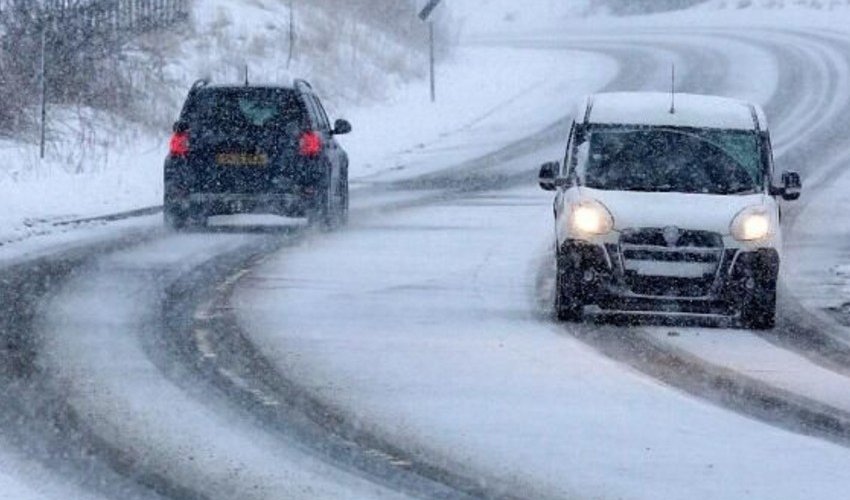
{"points": [[759, 310], [568, 306]]}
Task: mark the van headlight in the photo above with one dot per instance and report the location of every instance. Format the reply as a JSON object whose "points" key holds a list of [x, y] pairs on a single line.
{"points": [[752, 224], [591, 218]]}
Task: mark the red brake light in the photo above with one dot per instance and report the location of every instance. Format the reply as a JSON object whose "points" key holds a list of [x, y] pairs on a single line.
{"points": [[310, 144], [179, 145]]}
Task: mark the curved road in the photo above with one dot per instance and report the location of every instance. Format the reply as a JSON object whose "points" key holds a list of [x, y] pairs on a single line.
{"points": [[281, 363]]}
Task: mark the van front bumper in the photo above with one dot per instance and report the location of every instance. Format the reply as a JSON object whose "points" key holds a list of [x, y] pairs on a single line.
{"points": [[678, 281]]}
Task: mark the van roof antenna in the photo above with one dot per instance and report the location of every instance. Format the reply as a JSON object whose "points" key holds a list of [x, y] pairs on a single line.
{"points": [[673, 90], [246, 75]]}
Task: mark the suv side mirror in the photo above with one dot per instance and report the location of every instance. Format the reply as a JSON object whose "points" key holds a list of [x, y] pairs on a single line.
{"points": [[341, 127], [181, 126], [548, 173], [792, 185]]}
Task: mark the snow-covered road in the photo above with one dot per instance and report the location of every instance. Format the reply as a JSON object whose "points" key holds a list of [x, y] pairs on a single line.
{"points": [[412, 353], [433, 335]]}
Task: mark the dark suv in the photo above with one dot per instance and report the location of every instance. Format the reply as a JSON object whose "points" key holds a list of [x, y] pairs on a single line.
{"points": [[255, 149]]}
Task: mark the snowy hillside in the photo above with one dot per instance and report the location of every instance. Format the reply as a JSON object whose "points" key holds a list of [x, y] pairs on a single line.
{"points": [[101, 161], [492, 15]]}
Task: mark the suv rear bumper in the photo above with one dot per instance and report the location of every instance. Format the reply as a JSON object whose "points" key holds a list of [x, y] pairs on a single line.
{"points": [[189, 192], [609, 287], [210, 204]]}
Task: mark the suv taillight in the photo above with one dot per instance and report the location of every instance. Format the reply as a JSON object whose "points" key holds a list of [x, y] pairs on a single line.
{"points": [[310, 144], [179, 145]]}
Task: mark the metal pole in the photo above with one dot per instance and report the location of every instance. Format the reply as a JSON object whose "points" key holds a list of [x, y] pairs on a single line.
{"points": [[43, 90], [433, 62], [291, 33]]}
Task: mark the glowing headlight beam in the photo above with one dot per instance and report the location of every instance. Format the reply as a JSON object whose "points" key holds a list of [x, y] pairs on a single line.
{"points": [[591, 219], [751, 226]]}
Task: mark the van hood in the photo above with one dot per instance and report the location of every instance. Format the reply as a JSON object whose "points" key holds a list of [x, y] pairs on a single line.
{"points": [[705, 212]]}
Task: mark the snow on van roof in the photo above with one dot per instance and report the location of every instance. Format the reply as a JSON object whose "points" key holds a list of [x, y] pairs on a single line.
{"points": [[653, 108]]}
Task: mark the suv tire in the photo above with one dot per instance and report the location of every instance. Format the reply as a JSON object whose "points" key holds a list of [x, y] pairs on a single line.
{"points": [[343, 202], [321, 214], [181, 220], [175, 218]]}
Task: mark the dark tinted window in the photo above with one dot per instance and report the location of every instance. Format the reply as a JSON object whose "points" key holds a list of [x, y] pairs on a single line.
{"points": [[663, 159], [250, 110], [323, 117], [314, 112]]}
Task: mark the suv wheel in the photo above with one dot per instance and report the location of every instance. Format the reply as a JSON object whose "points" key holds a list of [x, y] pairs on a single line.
{"points": [[174, 217], [343, 202], [568, 306], [181, 220], [322, 214]]}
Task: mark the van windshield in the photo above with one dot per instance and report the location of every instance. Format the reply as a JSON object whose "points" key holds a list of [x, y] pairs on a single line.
{"points": [[707, 161]]}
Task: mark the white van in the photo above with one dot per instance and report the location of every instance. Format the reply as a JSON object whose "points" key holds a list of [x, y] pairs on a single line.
{"points": [[668, 205]]}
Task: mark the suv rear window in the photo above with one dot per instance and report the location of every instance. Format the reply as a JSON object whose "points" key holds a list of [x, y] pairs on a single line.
{"points": [[251, 110]]}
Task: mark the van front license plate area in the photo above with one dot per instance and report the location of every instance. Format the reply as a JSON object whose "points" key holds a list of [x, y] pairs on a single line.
{"points": [[242, 160]]}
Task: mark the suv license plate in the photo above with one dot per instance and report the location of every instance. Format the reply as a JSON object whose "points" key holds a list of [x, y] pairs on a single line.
{"points": [[241, 160]]}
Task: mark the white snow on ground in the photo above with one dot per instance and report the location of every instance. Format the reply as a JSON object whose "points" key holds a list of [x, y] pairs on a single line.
{"points": [[95, 344], [820, 276], [65, 239], [117, 177], [23, 480], [758, 359], [436, 341]]}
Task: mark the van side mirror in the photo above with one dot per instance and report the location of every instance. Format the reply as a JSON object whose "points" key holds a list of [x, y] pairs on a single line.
{"points": [[792, 186], [548, 174], [341, 127]]}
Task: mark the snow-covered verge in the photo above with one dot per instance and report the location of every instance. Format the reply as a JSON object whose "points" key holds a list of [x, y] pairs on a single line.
{"points": [[98, 163]]}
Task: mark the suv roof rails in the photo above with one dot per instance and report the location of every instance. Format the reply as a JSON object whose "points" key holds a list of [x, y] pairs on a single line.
{"points": [[302, 84], [199, 84]]}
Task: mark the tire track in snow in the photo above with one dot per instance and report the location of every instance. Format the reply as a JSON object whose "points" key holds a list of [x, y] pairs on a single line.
{"points": [[35, 411]]}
